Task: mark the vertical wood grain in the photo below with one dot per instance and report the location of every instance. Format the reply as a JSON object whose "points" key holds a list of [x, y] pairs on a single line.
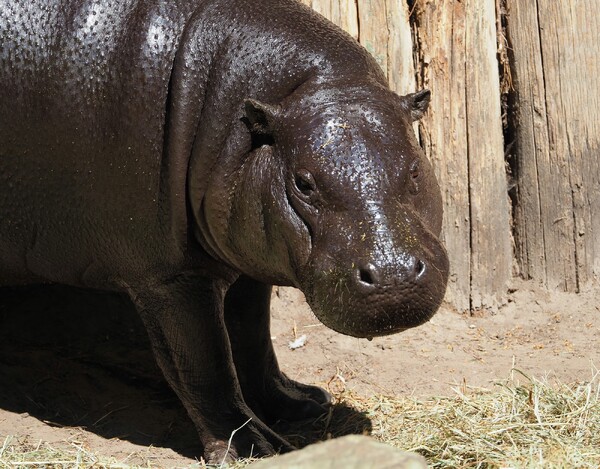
{"points": [[384, 32], [556, 67], [532, 143], [462, 134], [491, 243], [374, 33]]}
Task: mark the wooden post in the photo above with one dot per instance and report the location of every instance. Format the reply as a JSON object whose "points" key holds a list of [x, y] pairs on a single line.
{"points": [[557, 100], [384, 31], [491, 238], [462, 133]]}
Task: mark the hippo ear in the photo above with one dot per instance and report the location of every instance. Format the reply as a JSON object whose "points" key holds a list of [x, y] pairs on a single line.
{"points": [[418, 103], [261, 117]]}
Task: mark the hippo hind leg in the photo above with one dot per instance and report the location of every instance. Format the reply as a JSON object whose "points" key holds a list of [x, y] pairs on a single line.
{"points": [[269, 392]]}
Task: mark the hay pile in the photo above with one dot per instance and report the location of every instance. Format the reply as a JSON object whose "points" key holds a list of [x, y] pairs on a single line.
{"points": [[530, 424], [517, 424]]}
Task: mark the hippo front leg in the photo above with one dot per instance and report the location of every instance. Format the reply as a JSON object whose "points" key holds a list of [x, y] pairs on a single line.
{"points": [[268, 391], [185, 323]]}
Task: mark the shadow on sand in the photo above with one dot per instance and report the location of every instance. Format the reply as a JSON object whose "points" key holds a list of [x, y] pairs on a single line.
{"points": [[81, 358]]}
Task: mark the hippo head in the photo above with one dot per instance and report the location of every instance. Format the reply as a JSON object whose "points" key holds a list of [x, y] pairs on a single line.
{"points": [[337, 198]]}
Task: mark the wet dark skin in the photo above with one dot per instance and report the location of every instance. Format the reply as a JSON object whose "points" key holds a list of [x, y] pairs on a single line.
{"points": [[192, 154]]}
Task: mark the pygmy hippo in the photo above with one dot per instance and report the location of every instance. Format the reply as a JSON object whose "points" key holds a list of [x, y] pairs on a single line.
{"points": [[192, 154]]}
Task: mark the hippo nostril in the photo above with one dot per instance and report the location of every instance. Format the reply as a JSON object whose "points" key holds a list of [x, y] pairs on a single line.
{"points": [[367, 275], [419, 268]]}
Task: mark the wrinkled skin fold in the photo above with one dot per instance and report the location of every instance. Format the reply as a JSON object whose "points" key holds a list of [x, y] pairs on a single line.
{"points": [[192, 154]]}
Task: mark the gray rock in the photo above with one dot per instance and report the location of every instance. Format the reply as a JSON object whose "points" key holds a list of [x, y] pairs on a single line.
{"points": [[348, 452]]}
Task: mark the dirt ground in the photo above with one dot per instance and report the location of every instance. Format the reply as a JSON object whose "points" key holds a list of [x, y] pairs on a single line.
{"points": [[76, 370]]}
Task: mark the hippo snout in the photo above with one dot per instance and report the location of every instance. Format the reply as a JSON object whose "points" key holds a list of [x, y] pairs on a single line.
{"points": [[381, 295]]}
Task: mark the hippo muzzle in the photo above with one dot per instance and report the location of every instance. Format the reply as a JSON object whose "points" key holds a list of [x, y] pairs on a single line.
{"points": [[378, 280]]}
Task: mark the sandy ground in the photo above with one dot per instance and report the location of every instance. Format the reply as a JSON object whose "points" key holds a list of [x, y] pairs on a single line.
{"points": [[76, 370]]}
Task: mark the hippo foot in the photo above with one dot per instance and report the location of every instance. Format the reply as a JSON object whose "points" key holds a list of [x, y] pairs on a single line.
{"points": [[254, 439], [290, 400], [316, 393]]}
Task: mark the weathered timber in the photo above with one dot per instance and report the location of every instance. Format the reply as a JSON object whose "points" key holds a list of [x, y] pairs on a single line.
{"points": [[556, 67], [491, 238], [385, 32], [462, 134], [383, 28]]}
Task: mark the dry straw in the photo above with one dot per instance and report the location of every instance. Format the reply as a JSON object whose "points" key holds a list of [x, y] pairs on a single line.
{"points": [[521, 423], [528, 424]]}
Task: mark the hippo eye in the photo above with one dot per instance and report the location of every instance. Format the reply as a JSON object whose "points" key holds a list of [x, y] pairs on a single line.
{"points": [[305, 183], [414, 171], [414, 174]]}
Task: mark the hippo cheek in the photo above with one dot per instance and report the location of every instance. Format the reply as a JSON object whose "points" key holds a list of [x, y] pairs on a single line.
{"points": [[363, 299]]}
